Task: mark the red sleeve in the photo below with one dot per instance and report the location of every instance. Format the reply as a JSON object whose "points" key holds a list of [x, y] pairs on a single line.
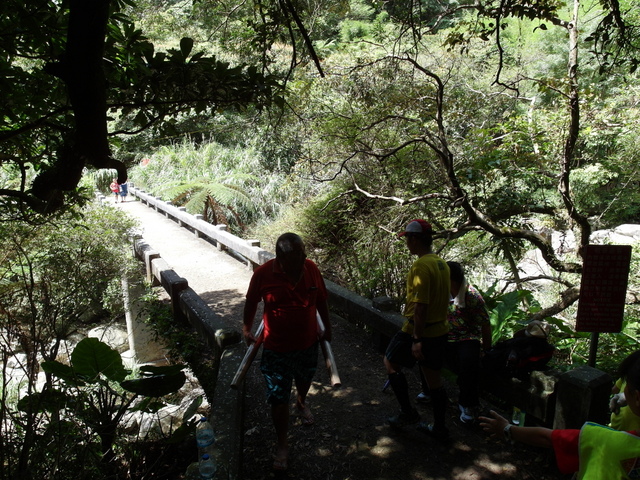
{"points": [[254, 292], [567, 450]]}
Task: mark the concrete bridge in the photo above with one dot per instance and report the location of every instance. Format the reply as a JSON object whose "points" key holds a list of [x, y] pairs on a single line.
{"points": [[189, 259]]}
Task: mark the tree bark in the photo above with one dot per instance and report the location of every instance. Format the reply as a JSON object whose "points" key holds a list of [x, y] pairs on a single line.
{"points": [[568, 157], [82, 71]]}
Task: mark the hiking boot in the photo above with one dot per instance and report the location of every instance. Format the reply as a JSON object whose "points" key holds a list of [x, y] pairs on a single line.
{"points": [[423, 398], [440, 434], [467, 415], [404, 419]]}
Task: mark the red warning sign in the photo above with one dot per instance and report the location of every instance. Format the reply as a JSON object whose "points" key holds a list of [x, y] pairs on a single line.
{"points": [[605, 273]]}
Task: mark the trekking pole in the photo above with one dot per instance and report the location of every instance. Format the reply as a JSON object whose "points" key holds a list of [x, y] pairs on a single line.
{"points": [[329, 359], [252, 351]]}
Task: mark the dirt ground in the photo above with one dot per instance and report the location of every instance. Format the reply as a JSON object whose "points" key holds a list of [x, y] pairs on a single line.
{"points": [[350, 439]]}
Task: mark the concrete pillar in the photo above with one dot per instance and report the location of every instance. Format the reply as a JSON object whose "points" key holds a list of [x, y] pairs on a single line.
{"points": [[197, 232], [253, 243], [220, 245], [143, 348], [181, 209], [582, 395], [149, 257]]}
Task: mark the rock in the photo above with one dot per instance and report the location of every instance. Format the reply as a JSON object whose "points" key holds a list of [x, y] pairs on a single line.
{"points": [[629, 230], [626, 234], [113, 335]]}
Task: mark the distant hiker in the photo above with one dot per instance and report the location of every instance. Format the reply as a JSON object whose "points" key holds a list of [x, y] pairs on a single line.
{"points": [[115, 188], [124, 191]]}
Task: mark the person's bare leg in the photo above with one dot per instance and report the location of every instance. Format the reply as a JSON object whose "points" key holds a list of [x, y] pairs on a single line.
{"points": [[280, 417], [301, 402]]}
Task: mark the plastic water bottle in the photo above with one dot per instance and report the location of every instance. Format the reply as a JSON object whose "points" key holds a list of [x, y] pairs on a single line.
{"points": [[518, 416], [205, 436], [207, 466]]}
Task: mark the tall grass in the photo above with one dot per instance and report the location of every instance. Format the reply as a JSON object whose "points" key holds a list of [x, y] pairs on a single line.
{"points": [[240, 168]]}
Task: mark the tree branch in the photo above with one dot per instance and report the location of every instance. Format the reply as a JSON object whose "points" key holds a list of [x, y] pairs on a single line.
{"points": [[568, 298]]}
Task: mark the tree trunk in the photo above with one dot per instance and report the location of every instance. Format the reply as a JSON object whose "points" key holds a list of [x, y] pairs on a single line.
{"points": [[82, 71], [568, 156]]}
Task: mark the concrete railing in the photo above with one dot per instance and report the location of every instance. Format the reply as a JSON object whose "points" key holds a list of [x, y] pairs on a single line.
{"points": [[225, 343], [342, 302], [217, 234]]}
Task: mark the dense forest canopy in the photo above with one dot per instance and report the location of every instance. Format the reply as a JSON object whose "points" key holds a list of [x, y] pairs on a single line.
{"points": [[500, 121], [511, 125]]}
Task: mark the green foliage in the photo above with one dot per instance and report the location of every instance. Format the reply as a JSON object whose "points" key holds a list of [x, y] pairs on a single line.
{"points": [[45, 269], [54, 119], [55, 278], [508, 312], [95, 393], [376, 262], [220, 201], [184, 344], [218, 181], [354, 30]]}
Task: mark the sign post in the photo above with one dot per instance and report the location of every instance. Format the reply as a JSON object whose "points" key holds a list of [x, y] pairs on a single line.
{"points": [[605, 274]]}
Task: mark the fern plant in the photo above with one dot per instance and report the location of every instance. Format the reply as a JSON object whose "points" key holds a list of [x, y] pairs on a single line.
{"points": [[218, 200]]}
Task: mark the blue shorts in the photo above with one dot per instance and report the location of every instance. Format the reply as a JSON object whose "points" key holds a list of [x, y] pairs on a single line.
{"points": [[433, 349], [280, 369]]}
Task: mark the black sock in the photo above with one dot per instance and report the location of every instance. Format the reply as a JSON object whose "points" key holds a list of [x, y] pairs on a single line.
{"points": [[423, 382], [439, 402], [400, 387]]}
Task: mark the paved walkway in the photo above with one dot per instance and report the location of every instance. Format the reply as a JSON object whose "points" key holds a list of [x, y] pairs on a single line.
{"points": [[218, 278]]}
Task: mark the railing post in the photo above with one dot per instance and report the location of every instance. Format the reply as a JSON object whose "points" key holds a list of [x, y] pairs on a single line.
{"points": [[181, 209], [220, 245], [582, 395], [174, 285], [198, 233], [143, 348], [253, 243]]}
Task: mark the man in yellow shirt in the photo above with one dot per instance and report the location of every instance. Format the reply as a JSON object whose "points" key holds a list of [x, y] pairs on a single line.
{"points": [[423, 337]]}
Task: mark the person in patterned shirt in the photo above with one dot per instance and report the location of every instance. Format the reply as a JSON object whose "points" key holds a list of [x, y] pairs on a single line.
{"points": [[469, 336]]}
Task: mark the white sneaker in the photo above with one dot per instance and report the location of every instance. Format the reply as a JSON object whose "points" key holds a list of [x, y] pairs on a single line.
{"points": [[423, 398], [466, 415]]}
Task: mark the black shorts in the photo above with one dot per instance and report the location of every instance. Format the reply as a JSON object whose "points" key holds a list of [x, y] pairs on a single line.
{"points": [[433, 349]]}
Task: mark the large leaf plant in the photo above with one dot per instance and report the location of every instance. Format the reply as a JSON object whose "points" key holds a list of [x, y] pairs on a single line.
{"points": [[97, 391]]}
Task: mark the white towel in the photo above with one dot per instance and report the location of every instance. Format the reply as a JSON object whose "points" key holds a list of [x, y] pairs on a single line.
{"points": [[459, 300]]}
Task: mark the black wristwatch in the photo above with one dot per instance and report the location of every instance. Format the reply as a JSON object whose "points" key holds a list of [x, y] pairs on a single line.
{"points": [[416, 340]]}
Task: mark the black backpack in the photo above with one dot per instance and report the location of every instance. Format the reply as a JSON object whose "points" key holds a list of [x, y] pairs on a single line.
{"points": [[518, 356]]}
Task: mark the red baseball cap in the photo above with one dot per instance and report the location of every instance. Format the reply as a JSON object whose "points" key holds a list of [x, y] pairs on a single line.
{"points": [[417, 226]]}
